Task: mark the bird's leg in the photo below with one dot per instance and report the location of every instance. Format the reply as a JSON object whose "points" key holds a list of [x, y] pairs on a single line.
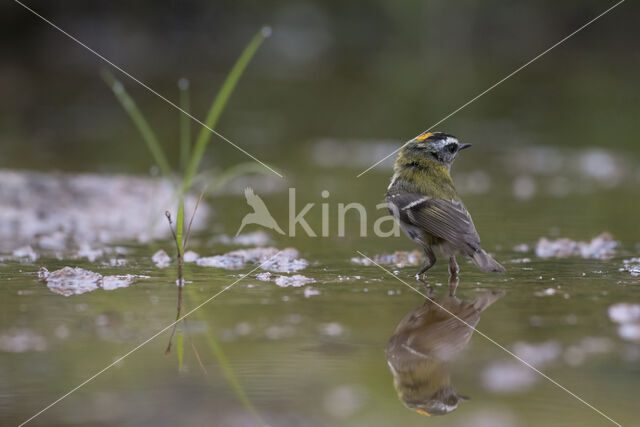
{"points": [[453, 285], [431, 259], [453, 267]]}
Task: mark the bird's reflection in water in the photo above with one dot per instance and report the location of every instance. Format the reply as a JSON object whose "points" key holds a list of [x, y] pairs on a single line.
{"points": [[424, 343]]}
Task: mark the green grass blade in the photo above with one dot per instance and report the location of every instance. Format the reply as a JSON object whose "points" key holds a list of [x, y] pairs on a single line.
{"points": [[225, 366], [185, 123], [180, 350], [141, 123], [229, 375], [219, 103]]}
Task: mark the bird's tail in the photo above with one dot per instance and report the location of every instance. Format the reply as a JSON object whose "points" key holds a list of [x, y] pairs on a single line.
{"points": [[487, 264]]}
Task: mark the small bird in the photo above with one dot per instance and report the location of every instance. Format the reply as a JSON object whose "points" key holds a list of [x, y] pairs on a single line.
{"points": [[424, 201], [427, 341]]}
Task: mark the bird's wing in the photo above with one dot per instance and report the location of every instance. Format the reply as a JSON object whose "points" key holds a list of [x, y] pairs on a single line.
{"points": [[447, 219]]}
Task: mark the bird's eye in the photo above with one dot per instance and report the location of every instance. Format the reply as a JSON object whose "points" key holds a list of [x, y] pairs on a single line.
{"points": [[451, 148]]}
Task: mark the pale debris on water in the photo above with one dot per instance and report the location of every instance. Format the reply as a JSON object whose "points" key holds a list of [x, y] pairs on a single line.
{"points": [[333, 329], [71, 281], [629, 331], [60, 211], [508, 377], [523, 247], [117, 262], [628, 318], [276, 332], [623, 312], [75, 281], [546, 292], [600, 247], [25, 252], [344, 401], [161, 259], [632, 266], [352, 153], [296, 280], [272, 259], [190, 256], [538, 354], [22, 340], [310, 292], [513, 376], [576, 354], [257, 238], [110, 283], [85, 251], [399, 259], [524, 187], [265, 277]]}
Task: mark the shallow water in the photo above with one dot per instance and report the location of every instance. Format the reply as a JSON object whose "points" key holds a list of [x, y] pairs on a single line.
{"points": [[275, 355], [333, 91]]}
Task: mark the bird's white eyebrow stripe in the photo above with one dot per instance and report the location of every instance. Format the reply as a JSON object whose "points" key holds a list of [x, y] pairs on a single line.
{"points": [[416, 202]]}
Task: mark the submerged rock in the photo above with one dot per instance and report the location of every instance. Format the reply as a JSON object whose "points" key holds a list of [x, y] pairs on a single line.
{"points": [[75, 281], [600, 247], [398, 259], [272, 259]]}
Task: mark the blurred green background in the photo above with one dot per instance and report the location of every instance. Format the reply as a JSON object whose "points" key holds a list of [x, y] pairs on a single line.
{"points": [[338, 86], [366, 70]]}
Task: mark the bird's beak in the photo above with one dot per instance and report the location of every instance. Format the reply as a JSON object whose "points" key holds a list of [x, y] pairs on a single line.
{"points": [[463, 146]]}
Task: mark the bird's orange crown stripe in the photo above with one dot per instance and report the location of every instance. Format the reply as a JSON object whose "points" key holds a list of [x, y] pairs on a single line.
{"points": [[424, 136]]}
